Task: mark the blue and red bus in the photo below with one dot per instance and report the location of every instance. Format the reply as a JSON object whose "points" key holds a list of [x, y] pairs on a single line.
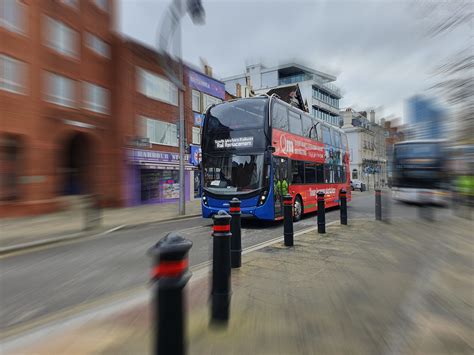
{"points": [[259, 149]]}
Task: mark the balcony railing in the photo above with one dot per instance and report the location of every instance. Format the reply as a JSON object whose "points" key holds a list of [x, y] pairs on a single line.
{"points": [[295, 79], [304, 77]]}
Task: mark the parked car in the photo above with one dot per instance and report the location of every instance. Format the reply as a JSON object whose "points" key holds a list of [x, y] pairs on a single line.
{"points": [[357, 185]]}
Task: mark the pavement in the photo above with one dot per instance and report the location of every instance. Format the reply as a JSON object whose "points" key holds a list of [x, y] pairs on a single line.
{"points": [[27, 232], [367, 288]]}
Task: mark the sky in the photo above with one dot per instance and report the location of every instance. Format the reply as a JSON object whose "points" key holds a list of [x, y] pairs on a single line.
{"points": [[381, 51]]}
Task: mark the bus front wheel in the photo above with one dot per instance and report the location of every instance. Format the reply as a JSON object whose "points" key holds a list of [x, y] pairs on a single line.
{"points": [[298, 209]]}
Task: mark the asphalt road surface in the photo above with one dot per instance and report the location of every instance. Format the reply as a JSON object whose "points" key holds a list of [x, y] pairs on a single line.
{"points": [[40, 283]]}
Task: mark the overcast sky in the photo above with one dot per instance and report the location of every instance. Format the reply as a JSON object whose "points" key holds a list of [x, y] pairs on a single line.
{"points": [[379, 50]]}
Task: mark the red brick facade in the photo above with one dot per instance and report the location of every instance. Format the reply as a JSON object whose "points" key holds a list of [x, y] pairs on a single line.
{"points": [[130, 105], [42, 130], [42, 137]]}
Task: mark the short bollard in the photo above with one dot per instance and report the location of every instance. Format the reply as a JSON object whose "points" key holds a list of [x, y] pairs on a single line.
{"points": [[288, 220], [378, 204], [235, 229], [92, 212], [170, 274], [221, 290], [343, 197], [321, 213]]}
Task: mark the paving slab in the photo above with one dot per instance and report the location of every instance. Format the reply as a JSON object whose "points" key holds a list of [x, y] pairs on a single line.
{"points": [[368, 288]]}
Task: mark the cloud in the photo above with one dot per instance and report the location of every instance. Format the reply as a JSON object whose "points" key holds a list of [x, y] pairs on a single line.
{"points": [[378, 49]]}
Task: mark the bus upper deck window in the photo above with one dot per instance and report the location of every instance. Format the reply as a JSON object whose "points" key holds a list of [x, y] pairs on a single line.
{"points": [[279, 116]]}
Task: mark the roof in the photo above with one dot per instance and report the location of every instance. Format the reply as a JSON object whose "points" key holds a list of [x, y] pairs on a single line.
{"points": [[291, 94], [329, 77]]}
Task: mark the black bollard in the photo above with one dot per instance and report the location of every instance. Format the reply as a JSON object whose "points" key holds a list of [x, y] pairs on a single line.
{"points": [[221, 290], [92, 212], [343, 197], [235, 229], [321, 213], [288, 220], [378, 205], [170, 274]]}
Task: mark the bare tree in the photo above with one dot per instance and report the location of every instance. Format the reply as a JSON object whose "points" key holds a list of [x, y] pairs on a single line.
{"points": [[456, 74]]}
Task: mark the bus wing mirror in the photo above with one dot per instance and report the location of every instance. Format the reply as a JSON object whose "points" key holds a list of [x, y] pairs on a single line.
{"points": [[271, 148]]}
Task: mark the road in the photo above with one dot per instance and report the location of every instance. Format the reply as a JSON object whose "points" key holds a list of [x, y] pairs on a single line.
{"points": [[44, 282]]}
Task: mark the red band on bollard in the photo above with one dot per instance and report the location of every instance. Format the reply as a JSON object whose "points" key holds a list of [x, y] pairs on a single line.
{"points": [[169, 268], [320, 198], [287, 203], [234, 209], [221, 228]]}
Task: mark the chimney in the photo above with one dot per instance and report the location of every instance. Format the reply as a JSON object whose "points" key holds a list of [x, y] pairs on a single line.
{"points": [[238, 90], [208, 70], [372, 116], [347, 117], [382, 122]]}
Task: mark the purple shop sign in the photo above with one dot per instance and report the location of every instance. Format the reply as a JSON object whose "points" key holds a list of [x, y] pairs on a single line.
{"points": [[153, 156], [205, 84]]}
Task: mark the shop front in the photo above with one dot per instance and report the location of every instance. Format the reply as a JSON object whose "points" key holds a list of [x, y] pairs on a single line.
{"points": [[154, 177]]}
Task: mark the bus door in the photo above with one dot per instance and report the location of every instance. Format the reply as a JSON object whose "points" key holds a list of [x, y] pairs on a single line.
{"points": [[280, 183]]}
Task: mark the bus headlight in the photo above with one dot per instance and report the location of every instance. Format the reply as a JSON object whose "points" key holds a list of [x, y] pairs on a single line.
{"points": [[204, 200], [263, 198]]}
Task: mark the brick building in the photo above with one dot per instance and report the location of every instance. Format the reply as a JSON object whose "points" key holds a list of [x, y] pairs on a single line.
{"points": [[86, 111], [146, 110], [55, 102]]}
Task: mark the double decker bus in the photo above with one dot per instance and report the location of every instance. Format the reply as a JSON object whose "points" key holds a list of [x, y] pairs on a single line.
{"points": [[260, 149], [420, 172]]}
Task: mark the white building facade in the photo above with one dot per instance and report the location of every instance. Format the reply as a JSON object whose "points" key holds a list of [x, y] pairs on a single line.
{"points": [[317, 88], [366, 140]]}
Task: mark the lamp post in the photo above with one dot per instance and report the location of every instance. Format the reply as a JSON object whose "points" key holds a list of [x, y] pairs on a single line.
{"points": [[170, 24]]}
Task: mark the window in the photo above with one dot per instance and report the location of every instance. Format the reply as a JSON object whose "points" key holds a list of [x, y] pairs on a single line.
{"points": [[12, 75], [329, 173], [160, 132], [61, 38], [355, 175], [156, 87], [295, 123], [320, 173], [307, 124], [196, 135], [326, 135], [210, 100], [238, 114], [344, 142], [97, 45], [196, 101], [71, 3], [314, 132], [101, 4], [60, 90], [12, 16], [336, 138], [310, 173], [297, 172], [96, 98], [279, 116]]}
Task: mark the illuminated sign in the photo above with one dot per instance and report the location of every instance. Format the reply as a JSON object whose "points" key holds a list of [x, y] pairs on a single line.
{"points": [[239, 142]]}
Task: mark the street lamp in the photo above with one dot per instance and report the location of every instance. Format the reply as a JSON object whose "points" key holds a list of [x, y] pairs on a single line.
{"points": [[170, 24]]}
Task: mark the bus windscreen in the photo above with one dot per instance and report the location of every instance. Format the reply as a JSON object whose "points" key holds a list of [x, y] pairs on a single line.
{"points": [[241, 114], [233, 173]]}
